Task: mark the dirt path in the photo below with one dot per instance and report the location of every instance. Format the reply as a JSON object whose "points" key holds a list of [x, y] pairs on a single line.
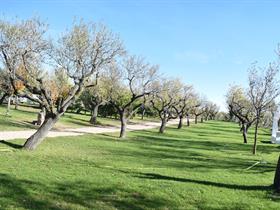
{"points": [[9, 135]]}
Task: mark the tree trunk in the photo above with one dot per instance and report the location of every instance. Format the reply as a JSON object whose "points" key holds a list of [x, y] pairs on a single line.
{"points": [[3, 98], [188, 120], [201, 120], [8, 106], [255, 137], [163, 125], [93, 119], [33, 141], [142, 114], [195, 121], [244, 133], [276, 184], [180, 125], [16, 102], [123, 125]]}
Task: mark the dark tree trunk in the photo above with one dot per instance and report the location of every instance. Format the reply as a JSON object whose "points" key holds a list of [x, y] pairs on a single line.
{"points": [[276, 184], [93, 119], [3, 98], [244, 133], [123, 125], [201, 120], [142, 114], [180, 125], [163, 125], [188, 120], [195, 120], [33, 141], [255, 137]]}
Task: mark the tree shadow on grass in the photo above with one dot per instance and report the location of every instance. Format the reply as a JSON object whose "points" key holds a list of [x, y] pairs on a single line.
{"points": [[200, 142], [25, 194], [17, 124], [187, 154], [153, 155], [15, 193], [10, 144], [155, 176]]}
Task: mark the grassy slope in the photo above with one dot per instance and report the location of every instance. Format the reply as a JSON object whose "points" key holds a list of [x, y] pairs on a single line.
{"points": [[201, 167]]}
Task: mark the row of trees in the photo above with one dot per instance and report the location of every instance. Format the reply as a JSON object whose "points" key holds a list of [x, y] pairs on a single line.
{"points": [[128, 90], [90, 64]]}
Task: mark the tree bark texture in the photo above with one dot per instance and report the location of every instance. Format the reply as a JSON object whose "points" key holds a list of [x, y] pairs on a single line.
{"points": [[93, 119], [180, 125], [163, 125], [123, 125], [33, 141]]}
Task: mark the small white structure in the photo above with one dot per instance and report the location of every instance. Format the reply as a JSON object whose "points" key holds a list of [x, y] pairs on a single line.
{"points": [[275, 138]]}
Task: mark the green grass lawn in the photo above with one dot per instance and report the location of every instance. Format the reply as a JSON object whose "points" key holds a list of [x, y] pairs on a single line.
{"points": [[200, 167], [22, 118]]}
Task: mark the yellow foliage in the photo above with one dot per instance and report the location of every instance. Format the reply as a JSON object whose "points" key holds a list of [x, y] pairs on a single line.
{"points": [[19, 86]]}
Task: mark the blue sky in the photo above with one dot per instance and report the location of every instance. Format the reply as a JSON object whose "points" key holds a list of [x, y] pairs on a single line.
{"points": [[209, 44]]}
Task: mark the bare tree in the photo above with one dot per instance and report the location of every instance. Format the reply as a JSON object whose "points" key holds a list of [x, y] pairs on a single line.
{"points": [[81, 52], [198, 109], [185, 103], [165, 99], [131, 80], [240, 106], [263, 89], [211, 110]]}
